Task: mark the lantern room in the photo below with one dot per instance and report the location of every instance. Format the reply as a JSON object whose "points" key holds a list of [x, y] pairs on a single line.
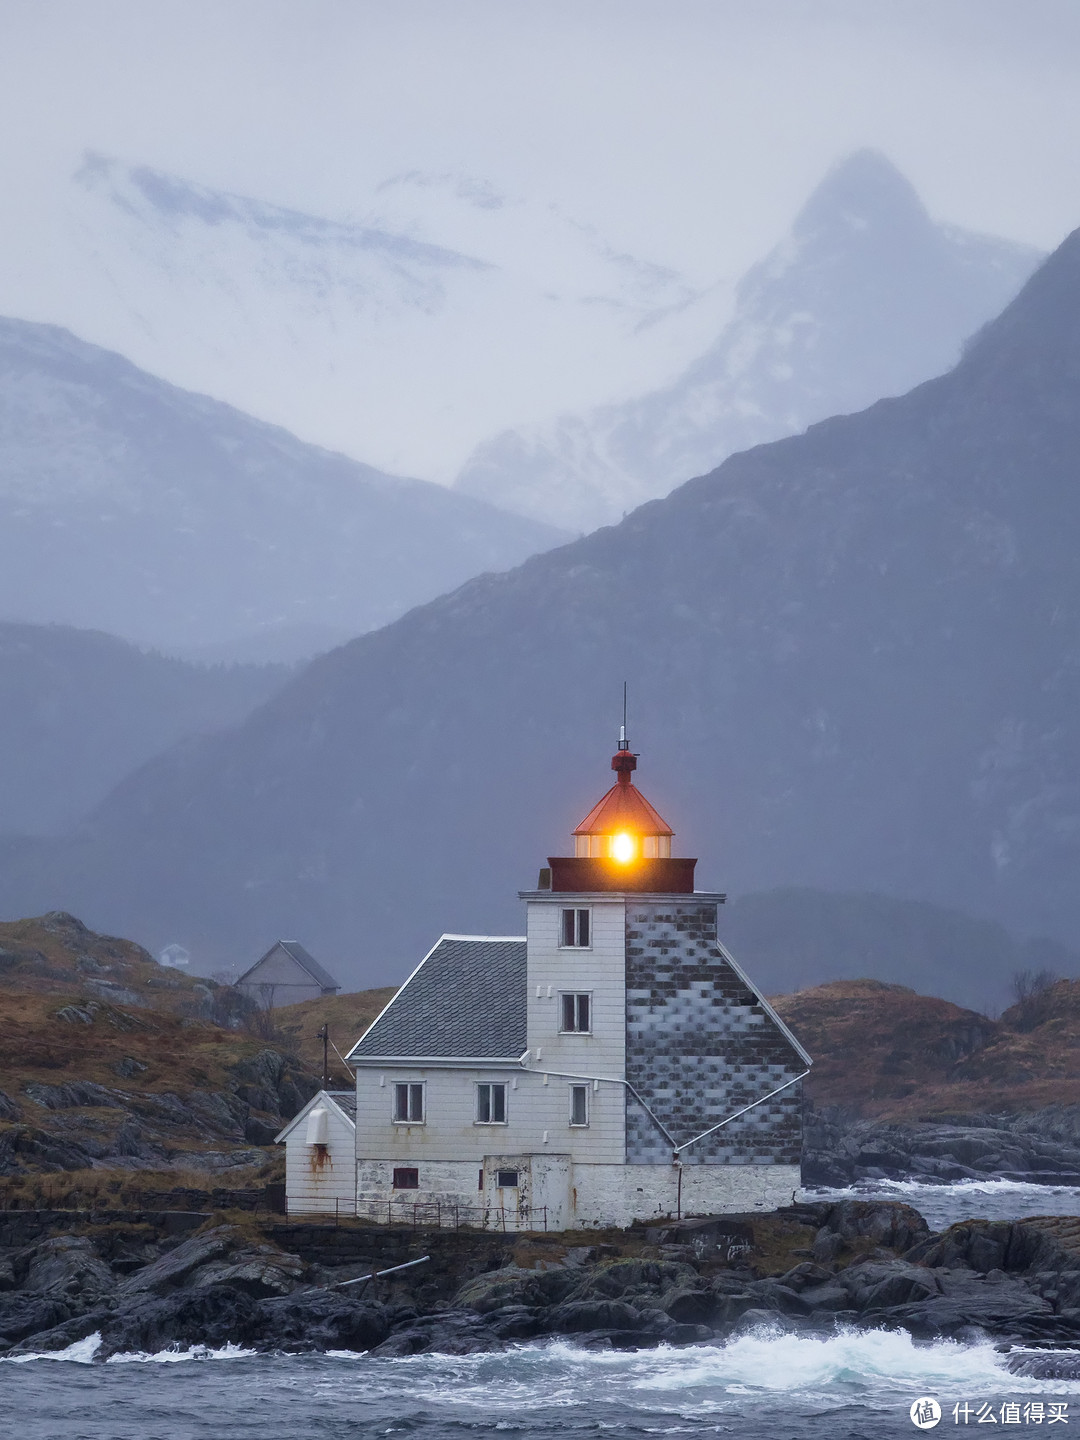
{"points": [[623, 826], [623, 844]]}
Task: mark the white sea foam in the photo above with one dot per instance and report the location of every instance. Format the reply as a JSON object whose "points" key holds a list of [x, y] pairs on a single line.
{"points": [[944, 1205], [765, 1366], [173, 1355], [82, 1352]]}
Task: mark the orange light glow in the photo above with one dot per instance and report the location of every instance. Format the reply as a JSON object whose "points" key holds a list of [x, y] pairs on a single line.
{"points": [[622, 848]]}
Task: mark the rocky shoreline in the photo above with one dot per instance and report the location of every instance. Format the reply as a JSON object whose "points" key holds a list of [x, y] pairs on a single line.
{"points": [[810, 1268], [1041, 1147]]}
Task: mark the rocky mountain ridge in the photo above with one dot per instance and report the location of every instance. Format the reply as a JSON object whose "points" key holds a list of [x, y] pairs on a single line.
{"points": [[173, 521]]}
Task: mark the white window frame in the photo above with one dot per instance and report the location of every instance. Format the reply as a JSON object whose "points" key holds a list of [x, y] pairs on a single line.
{"points": [[579, 1124], [577, 911], [410, 1086], [490, 1086], [576, 996]]}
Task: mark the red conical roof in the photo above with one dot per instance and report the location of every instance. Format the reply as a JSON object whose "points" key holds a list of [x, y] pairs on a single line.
{"points": [[623, 807]]}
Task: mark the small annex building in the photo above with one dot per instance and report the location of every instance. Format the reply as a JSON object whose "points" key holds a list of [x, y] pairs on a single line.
{"points": [[612, 1064], [285, 975], [320, 1155]]}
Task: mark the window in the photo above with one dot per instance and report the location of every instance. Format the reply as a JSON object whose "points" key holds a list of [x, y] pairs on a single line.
{"points": [[575, 929], [409, 1104], [506, 1179], [407, 1179], [491, 1104], [576, 1014], [579, 1105]]}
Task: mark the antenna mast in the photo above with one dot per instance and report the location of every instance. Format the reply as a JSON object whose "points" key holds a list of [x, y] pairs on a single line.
{"points": [[622, 728]]}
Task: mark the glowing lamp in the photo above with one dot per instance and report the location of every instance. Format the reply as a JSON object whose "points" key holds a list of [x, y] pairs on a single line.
{"points": [[622, 847]]}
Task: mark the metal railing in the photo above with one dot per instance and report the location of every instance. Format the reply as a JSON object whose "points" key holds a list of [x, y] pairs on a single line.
{"points": [[429, 1214]]}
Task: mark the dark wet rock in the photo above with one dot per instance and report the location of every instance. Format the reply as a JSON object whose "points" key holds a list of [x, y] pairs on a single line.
{"points": [[689, 1306], [9, 1110], [215, 1316], [826, 1299], [516, 1322], [322, 1320], [259, 1271], [1044, 1364], [69, 1268], [581, 1315], [453, 1332], [23, 1315], [174, 1268], [877, 1285]]}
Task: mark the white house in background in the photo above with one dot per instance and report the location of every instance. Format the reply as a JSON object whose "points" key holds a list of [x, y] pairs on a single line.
{"points": [[612, 1064], [285, 975], [320, 1155]]}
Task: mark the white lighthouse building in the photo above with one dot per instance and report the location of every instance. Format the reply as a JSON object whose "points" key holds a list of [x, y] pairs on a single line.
{"points": [[612, 1064]]}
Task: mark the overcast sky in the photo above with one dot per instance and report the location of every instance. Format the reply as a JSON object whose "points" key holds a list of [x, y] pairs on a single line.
{"points": [[691, 130]]}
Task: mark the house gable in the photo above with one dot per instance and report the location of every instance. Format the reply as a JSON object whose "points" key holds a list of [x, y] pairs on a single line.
{"points": [[289, 966]]}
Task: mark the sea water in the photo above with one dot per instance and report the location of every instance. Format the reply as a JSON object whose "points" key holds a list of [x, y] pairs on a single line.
{"points": [[765, 1385], [943, 1205]]}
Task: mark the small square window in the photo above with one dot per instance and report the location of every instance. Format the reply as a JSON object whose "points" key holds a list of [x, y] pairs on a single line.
{"points": [[579, 1105], [409, 1104], [576, 1013], [407, 1178], [576, 929], [506, 1179], [491, 1103]]}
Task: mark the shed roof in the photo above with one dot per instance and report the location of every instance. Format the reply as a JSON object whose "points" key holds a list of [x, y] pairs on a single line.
{"points": [[307, 962], [465, 1000]]}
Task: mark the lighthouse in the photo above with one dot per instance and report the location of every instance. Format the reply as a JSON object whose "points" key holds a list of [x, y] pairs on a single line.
{"points": [[614, 1063]]}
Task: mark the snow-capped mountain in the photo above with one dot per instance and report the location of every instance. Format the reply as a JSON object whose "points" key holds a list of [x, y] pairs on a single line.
{"points": [[130, 506], [866, 297], [432, 312]]}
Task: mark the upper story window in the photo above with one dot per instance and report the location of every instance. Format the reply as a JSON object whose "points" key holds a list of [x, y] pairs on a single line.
{"points": [[409, 1104], [491, 1103], [579, 1105], [576, 1015], [576, 932]]}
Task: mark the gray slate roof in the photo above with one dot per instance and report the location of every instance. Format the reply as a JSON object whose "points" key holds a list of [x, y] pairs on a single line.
{"points": [[303, 959], [466, 999], [345, 1100]]}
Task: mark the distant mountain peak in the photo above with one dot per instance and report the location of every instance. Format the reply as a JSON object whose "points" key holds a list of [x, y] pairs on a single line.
{"points": [[864, 297], [862, 190]]}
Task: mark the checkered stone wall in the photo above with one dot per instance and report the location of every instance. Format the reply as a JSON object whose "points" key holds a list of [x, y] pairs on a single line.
{"points": [[699, 1047]]}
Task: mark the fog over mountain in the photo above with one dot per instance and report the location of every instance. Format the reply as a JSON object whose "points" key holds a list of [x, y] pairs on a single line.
{"points": [[429, 310], [865, 297], [82, 710], [854, 660], [129, 506]]}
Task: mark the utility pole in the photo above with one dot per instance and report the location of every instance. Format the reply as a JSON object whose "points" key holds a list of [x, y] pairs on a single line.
{"points": [[324, 1036]]}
